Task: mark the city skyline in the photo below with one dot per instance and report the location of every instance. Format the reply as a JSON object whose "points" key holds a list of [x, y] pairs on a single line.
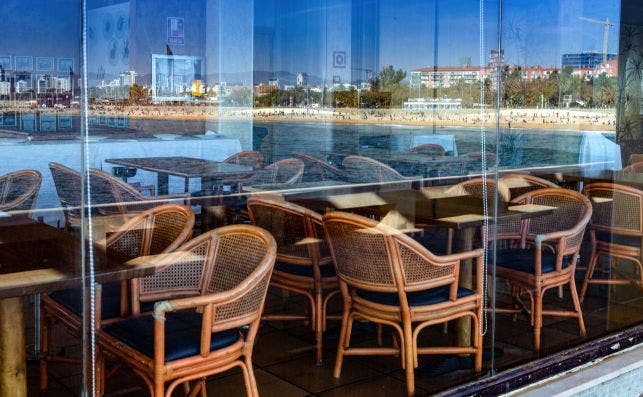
{"points": [[304, 36]]}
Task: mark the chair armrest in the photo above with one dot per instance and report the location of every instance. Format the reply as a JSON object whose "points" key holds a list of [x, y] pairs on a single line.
{"points": [[461, 256]]}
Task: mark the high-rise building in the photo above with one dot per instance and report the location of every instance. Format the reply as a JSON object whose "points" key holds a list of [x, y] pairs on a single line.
{"points": [[44, 83], [5, 88], [496, 63], [585, 59], [128, 78], [302, 79]]}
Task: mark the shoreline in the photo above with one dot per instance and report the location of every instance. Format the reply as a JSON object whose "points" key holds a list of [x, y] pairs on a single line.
{"points": [[603, 120]]}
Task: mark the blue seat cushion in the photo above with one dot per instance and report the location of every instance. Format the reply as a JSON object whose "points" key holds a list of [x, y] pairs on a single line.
{"points": [[523, 260], [305, 270], [72, 299], [182, 335], [418, 298], [632, 241]]}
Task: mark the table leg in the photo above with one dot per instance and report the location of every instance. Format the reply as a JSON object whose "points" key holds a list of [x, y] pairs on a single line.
{"points": [[13, 367], [465, 243], [162, 183]]}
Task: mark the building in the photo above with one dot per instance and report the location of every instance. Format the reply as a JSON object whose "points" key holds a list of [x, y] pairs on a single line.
{"points": [[44, 83], [302, 79], [61, 84], [496, 64], [128, 78], [433, 104], [5, 88], [273, 83], [23, 86], [445, 76], [585, 59]]}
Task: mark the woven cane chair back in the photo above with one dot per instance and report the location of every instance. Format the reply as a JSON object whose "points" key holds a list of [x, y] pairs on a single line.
{"points": [[431, 149], [19, 190], [112, 195], [616, 208], [364, 169], [243, 260], [520, 184], [361, 251], [573, 211], [297, 230], [316, 169], [474, 187], [68, 184], [157, 231], [282, 171], [634, 167], [374, 256], [250, 158]]}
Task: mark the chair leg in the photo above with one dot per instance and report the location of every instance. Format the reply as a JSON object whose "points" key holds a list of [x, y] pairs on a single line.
{"points": [[577, 308], [378, 334], [588, 274], [44, 350], [319, 325], [538, 318], [252, 381], [477, 343], [409, 353], [342, 343]]}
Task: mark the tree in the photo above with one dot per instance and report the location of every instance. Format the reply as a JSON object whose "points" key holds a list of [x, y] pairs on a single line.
{"points": [[137, 94]]}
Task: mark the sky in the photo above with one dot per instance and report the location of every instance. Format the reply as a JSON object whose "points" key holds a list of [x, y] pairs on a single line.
{"points": [[301, 35]]}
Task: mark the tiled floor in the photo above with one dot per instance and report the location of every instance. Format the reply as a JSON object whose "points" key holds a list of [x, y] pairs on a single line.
{"points": [[284, 356]]}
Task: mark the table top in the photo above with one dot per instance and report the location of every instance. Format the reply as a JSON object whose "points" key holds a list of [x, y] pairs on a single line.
{"points": [[294, 188], [634, 179], [458, 212], [187, 167], [37, 258]]}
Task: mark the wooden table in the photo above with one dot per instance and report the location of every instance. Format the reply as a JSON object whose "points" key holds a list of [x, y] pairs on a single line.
{"points": [[633, 179], [37, 258], [210, 172], [402, 209]]}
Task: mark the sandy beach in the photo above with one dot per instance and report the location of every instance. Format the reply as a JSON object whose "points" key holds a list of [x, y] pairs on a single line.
{"points": [[549, 119]]}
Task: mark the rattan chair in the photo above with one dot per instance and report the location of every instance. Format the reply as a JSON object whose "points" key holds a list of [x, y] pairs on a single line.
{"points": [[475, 188], [189, 338], [156, 231], [250, 158], [318, 170], [361, 169], [304, 265], [616, 230], [283, 171], [68, 184], [18, 191], [110, 195], [520, 184], [547, 255], [388, 278], [634, 167], [431, 149], [635, 158]]}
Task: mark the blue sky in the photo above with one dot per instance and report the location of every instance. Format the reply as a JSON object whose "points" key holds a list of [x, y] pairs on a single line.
{"points": [[299, 35]]}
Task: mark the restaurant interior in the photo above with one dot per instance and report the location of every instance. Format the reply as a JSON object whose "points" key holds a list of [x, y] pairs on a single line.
{"points": [[316, 198]]}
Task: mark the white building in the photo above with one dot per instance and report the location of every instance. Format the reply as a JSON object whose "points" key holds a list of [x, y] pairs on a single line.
{"points": [[61, 84], [273, 83], [433, 104], [44, 83], [128, 78], [5, 88], [302, 79], [23, 86]]}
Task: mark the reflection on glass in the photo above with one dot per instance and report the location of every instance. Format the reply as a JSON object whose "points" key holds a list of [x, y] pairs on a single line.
{"points": [[405, 113]]}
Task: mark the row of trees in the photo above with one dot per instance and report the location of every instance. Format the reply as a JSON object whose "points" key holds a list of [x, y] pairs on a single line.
{"points": [[389, 89]]}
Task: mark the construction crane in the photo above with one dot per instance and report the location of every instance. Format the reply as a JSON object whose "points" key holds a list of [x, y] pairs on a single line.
{"points": [[606, 31]]}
